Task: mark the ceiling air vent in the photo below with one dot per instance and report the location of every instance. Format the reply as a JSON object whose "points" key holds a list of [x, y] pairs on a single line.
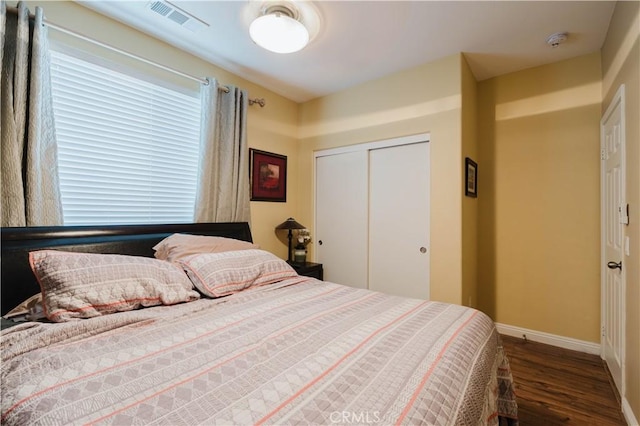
{"points": [[160, 8], [177, 15], [178, 18]]}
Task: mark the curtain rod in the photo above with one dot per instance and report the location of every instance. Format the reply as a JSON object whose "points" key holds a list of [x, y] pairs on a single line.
{"points": [[49, 24], [130, 55], [225, 89]]}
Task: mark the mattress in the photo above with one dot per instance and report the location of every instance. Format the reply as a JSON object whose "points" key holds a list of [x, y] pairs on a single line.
{"points": [[300, 351]]}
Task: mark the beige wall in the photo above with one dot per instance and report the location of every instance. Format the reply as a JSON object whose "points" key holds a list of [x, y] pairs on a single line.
{"points": [[539, 211], [620, 65], [469, 204], [272, 128], [420, 100]]}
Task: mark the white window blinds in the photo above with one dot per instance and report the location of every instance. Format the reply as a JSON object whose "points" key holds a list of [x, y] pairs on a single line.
{"points": [[128, 149]]}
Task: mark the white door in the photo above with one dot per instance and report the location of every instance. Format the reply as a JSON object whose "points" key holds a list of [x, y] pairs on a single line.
{"points": [[614, 215], [399, 220], [342, 217]]}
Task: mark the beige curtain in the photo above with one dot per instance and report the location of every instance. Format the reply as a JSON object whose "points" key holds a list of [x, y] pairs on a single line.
{"points": [[223, 184], [30, 186]]}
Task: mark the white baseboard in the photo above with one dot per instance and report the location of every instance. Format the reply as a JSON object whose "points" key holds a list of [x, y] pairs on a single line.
{"points": [[628, 413], [550, 339]]}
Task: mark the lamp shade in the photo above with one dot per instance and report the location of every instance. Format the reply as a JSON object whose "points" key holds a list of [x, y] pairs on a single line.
{"points": [[278, 32], [290, 224]]}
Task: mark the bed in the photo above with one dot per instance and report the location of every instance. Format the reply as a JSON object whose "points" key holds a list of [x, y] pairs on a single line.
{"points": [[291, 350]]}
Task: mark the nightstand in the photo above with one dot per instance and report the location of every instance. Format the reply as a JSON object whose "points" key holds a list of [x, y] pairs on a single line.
{"points": [[308, 269]]}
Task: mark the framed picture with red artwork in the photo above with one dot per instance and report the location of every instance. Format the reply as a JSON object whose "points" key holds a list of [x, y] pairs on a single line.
{"points": [[268, 176]]}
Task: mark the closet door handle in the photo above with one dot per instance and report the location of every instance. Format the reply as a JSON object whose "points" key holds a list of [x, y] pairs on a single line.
{"points": [[614, 265], [423, 250], [319, 242]]}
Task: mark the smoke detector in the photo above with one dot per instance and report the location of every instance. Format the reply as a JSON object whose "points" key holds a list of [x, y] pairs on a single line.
{"points": [[554, 40]]}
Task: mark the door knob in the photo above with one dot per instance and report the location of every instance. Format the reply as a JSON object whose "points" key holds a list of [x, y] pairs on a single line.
{"points": [[423, 249], [614, 265]]}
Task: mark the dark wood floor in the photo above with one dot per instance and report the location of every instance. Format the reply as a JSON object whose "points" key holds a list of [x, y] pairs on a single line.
{"points": [[557, 386]]}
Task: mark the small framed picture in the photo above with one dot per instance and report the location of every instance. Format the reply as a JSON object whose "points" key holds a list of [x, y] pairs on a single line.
{"points": [[268, 176], [470, 178]]}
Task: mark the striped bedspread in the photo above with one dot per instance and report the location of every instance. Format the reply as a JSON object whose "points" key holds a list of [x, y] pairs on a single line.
{"points": [[300, 351]]}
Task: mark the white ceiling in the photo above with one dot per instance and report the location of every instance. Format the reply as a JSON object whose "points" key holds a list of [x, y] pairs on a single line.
{"points": [[359, 41]]}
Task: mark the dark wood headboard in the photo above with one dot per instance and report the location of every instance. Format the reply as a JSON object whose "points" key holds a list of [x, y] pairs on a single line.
{"points": [[18, 282]]}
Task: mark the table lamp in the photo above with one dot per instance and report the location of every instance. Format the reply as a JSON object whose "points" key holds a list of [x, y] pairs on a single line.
{"points": [[290, 224]]}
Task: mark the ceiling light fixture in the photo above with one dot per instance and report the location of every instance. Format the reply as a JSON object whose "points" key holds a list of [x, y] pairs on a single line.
{"points": [[279, 30]]}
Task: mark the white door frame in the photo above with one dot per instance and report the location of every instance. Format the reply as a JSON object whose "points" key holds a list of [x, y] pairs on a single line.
{"points": [[618, 99], [368, 146]]}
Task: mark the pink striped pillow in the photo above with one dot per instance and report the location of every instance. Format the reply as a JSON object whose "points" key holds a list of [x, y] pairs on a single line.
{"points": [[221, 274], [180, 246], [84, 285]]}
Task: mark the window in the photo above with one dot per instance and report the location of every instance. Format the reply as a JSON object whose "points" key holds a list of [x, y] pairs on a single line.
{"points": [[128, 149]]}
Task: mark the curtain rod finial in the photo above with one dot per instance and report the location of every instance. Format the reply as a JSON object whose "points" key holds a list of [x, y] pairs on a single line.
{"points": [[259, 101]]}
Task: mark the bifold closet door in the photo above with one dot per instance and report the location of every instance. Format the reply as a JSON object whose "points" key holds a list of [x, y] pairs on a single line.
{"points": [[342, 217], [399, 220]]}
